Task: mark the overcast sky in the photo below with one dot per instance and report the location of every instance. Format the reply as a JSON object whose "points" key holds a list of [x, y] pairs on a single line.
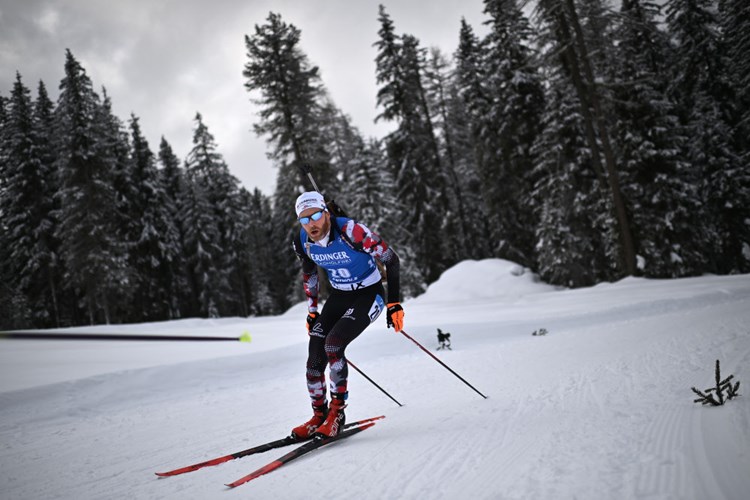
{"points": [[166, 59]]}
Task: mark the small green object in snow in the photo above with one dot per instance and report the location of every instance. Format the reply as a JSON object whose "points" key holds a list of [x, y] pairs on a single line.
{"points": [[245, 337]]}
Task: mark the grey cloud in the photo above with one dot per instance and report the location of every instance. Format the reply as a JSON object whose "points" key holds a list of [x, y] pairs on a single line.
{"points": [[166, 59]]}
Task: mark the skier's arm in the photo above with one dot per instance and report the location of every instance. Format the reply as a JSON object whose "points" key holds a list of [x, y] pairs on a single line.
{"points": [[392, 273], [365, 240], [310, 282]]}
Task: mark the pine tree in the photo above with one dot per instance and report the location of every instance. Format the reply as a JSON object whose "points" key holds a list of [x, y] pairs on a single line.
{"points": [[26, 204], [570, 199], [345, 144], [211, 179], [370, 188], [94, 258], [172, 175], [561, 28], [49, 251], [371, 193], [566, 197], [13, 314], [469, 99], [3, 138], [467, 176], [735, 21], [412, 148], [657, 183], [367, 184], [470, 75], [155, 249], [440, 93], [389, 69], [735, 24], [115, 150], [349, 154], [510, 124], [3, 112], [291, 97], [597, 21], [207, 279], [172, 178], [262, 295], [700, 85]]}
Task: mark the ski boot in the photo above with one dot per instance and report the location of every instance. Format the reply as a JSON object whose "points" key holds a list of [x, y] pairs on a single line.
{"points": [[306, 430], [335, 420]]}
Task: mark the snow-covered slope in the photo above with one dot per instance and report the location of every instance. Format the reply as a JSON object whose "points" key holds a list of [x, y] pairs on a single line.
{"points": [[600, 407]]}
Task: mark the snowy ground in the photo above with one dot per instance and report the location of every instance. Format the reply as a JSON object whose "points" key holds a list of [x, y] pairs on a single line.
{"points": [[600, 408]]}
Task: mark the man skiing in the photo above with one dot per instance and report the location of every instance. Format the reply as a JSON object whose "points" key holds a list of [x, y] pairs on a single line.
{"points": [[347, 251]]}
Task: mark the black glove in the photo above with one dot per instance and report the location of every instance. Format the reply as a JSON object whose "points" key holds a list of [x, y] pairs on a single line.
{"points": [[311, 319]]}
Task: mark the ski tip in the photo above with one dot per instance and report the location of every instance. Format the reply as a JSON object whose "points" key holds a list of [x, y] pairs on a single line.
{"points": [[371, 419], [364, 421], [245, 337], [357, 429], [171, 473]]}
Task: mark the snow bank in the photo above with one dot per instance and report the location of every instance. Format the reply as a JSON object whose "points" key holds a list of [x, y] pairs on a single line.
{"points": [[481, 280]]}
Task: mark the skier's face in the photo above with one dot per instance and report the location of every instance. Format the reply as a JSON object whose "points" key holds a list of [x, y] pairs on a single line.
{"points": [[316, 229]]}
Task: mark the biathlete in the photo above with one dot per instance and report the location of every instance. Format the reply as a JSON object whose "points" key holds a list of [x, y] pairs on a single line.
{"points": [[346, 250]]}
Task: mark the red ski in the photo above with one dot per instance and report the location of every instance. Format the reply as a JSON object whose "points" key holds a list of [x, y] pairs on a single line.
{"points": [[279, 443], [298, 452]]}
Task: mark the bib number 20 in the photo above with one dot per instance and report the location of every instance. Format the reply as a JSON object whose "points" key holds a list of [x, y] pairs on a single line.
{"points": [[342, 273]]}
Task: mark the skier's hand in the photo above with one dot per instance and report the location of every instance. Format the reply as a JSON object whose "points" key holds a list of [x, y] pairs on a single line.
{"points": [[395, 316], [311, 319]]}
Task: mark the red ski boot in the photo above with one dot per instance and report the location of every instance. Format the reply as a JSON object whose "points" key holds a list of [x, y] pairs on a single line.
{"points": [[306, 430], [335, 420]]}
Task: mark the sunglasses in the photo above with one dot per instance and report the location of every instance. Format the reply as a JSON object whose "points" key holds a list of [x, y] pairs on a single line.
{"points": [[314, 217]]}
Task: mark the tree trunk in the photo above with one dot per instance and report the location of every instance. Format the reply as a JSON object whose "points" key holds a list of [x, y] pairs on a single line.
{"points": [[626, 237], [594, 122]]}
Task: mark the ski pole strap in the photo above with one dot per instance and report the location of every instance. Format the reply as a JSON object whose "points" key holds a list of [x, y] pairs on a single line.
{"points": [[444, 365]]}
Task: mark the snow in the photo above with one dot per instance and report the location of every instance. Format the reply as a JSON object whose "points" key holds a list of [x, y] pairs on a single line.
{"points": [[600, 407]]}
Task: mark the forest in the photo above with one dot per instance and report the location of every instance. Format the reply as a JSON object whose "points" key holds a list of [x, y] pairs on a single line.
{"points": [[585, 142]]}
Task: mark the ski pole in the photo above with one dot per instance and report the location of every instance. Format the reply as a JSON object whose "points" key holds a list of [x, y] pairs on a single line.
{"points": [[41, 335], [372, 381], [444, 365]]}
